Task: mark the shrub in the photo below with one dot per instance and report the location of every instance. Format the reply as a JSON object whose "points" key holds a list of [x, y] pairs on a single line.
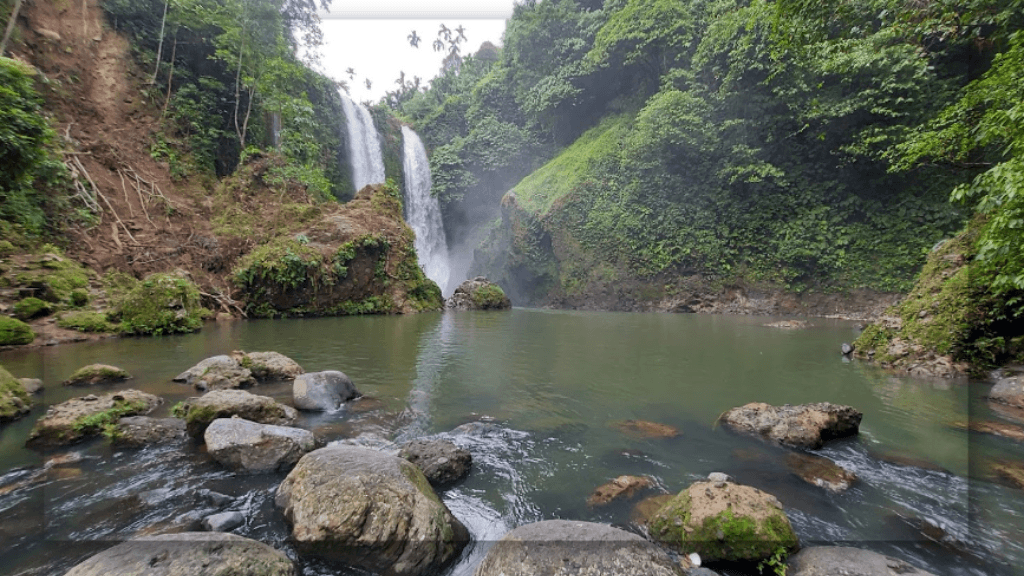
{"points": [[161, 304]]}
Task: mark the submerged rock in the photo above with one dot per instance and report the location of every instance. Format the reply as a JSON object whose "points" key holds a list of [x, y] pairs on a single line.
{"points": [[836, 560], [80, 418], [820, 472], [139, 431], [94, 374], [268, 366], [566, 547], [217, 373], [619, 488], [441, 461], [647, 508], [644, 429], [14, 399], [1006, 430], [187, 554], [223, 522], [478, 294], [802, 426], [322, 391], [199, 412], [245, 446], [790, 324], [1012, 472], [723, 521], [370, 510]]}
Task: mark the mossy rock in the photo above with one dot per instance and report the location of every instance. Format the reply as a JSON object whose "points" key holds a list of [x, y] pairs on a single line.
{"points": [[723, 521], [97, 374], [161, 304], [53, 276], [14, 400], [80, 418], [14, 332], [79, 298], [6, 248], [86, 322], [30, 308]]}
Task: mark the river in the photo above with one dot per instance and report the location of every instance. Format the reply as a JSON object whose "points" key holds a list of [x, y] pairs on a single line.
{"points": [[552, 383]]}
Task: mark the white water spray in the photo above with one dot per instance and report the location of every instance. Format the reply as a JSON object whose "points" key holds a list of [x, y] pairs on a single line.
{"points": [[423, 213], [365, 154]]}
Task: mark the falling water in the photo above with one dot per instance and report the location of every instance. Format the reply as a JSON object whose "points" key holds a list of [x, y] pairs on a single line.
{"points": [[364, 145], [423, 212]]}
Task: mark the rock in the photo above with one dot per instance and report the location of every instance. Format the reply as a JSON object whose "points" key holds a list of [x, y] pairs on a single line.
{"points": [[723, 521], [199, 412], [217, 373], [643, 429], [139, 431], [1012, 472], [647, 508], [268, 366], [621, 487], [719, 477], [1006, 430], [820, 472], [223, 522], [841, 560], [322, 391], [48, 34], [31, 385], [14, 399], [478, 294], [80, 418], [369, 510], [245, 446], [94, 374], [187, 554], [789, 324], [847, 349], [441, 461], [803, 426], [564, 547], [216, 498], [1009, 391]]}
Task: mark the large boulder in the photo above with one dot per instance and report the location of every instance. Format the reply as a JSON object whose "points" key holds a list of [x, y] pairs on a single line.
{"points": [[253, 448], [199, 412], [370, 510], [802, 426], [94, 374], [723, 521], [267, 366], [322, 391], [14, 399], [217, 373], [564, 547], [441, 461], [139, 431], [844, 561], [80, 418], [478, 294], [1009, 391], [187, 554]]}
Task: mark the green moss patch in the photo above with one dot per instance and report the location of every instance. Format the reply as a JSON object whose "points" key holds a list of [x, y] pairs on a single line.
{"points": [[161, 304], [15, 332], [14, 400], [97, 374], [490, 296], [106, 422], [86, 322], [29, 308]]}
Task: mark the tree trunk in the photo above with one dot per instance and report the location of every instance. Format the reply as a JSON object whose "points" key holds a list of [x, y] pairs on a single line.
{"points": [[160, 44], [170, 75], [10, 26]]}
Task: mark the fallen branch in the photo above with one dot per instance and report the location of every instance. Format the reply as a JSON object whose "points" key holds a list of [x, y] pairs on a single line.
{"points": [[226, 303]]}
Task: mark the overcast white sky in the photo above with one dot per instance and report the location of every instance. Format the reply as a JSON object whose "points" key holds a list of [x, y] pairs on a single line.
{"points": [[370, 36]]}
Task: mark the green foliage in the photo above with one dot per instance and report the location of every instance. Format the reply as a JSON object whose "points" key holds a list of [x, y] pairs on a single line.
{"points": [[14, 332], [29, 308], [84, 321], [160, 304], [32, 178], [79, 298], [284, 262], [776, 562], [488, 297], [14, 400], [106, 422]]}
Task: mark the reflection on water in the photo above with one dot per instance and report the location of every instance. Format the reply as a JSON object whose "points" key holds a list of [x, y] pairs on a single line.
{"points": [[534, 396]]}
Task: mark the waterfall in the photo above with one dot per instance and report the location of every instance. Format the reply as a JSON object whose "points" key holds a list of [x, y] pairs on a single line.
{"points": [[363, 144], [423, 213]]}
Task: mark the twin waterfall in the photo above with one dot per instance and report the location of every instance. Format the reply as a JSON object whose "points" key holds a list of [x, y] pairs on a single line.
{"points": [[422, 211]]}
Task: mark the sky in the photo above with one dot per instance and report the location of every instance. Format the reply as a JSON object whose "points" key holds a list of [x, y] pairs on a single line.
{"points": [[370, 36]]}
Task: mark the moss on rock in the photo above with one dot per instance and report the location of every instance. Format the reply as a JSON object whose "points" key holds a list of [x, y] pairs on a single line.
{"points": [[14, 332], [30, 307], [86, 322], [14, 400], [724, 521], [97, 374], [161, 304]]}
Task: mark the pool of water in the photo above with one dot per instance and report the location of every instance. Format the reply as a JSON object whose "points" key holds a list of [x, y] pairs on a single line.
{"points": [[550, 385]]}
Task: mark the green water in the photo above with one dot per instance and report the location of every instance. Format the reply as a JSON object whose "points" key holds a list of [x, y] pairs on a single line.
{"points": [[553, 383]]}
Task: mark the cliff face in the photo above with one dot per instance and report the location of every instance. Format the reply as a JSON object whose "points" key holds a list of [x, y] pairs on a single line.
{"points": [[127, 211]]}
